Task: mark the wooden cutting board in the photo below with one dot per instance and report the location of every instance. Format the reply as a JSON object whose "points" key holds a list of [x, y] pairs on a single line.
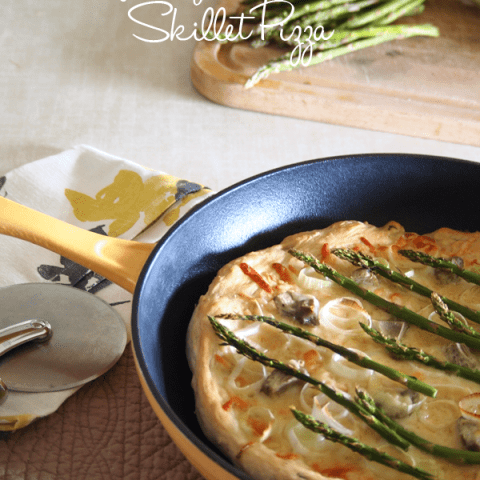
{"points": [[423, 87]]}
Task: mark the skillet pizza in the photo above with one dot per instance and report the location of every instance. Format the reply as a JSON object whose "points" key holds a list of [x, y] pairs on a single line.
{"points": [[344, 353]]}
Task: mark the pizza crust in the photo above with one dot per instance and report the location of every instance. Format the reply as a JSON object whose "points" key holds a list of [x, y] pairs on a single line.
{"points": [[235, 291]]}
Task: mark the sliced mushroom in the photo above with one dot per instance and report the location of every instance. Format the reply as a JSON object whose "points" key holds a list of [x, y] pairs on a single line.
{"points": [[303, 308], [469, 432], [444, 276], [400, 404], [365, 277], [460, 354], [278, 382]]}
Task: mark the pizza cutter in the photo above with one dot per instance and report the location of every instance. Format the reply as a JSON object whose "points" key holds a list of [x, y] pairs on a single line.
{"points": [[55, 337]]}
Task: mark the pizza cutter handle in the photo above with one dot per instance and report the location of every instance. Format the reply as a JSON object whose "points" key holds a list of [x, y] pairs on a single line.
{"points": [[120, 261], [15, 335], [23, 332]]}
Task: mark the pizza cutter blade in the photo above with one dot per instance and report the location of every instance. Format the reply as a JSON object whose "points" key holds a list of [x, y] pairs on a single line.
{"points": [[81, 337]]}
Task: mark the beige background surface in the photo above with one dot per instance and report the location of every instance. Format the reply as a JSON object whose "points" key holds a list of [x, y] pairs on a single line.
{"points": [[73, 73]]}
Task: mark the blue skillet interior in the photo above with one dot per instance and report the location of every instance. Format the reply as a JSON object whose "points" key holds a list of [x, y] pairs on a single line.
{"points": [[423, 193]]}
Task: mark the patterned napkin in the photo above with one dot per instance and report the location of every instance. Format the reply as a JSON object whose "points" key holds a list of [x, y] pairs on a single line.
{"points": [[99, 192]]}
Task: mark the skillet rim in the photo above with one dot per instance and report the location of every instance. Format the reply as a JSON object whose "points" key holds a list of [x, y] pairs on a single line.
{"points": [[136, 337]]}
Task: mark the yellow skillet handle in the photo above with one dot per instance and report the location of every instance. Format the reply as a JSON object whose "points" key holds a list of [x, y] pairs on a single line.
{"points": [[118, 260]]}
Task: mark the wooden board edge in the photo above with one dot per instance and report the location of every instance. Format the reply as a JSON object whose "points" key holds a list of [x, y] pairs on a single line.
{"points": [[329, 105]]}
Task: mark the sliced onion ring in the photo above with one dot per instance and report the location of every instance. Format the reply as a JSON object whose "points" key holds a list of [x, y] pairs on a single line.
{"points": [[305, 442], [308, 278], [250, 331], [260, 421], [346, 369], [331, 413], [246, 332], [438, 414], [342, 323], [391, 328], [251, 387], [307, 395], [470, 406]]}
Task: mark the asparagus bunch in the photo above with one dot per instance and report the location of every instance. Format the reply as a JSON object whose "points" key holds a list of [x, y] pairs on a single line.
{"points": [[435, 262], [462, 457], [400, 350], [284, 63], [361, 260], [403, 313], [363, 407], [319, 30], [244, 348], [352, 356], [356, 446]]}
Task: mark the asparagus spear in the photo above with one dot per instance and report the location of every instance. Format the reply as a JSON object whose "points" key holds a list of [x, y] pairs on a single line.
{"points": [[361, 260], [426, 259], [352, 356], [463, 457], [323, 4], [371, 15], [414, 8], [390, 307], [449, 317], [323, 16], [401, 350], [313, 13], [284, 63], [275, 22], [343, 37], [355, 445], [248, 351]]}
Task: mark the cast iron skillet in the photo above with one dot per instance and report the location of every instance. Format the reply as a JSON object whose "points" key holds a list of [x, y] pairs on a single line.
{"points": [[423, 193]]}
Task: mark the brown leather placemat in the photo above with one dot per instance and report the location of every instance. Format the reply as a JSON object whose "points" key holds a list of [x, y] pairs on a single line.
{"points": [[106, 431]]}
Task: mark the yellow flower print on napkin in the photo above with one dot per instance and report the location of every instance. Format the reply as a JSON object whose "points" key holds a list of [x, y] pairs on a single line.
{"points": [[124, 200]]}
